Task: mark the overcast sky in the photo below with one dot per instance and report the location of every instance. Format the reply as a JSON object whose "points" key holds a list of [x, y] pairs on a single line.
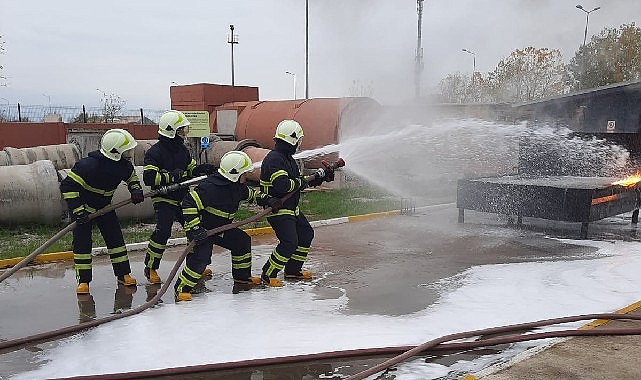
{"points": [[63, 51]]}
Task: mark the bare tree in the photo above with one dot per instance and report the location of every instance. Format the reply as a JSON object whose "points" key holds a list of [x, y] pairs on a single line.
{"points": [[3, 78], [360, 89], [453, 88], [112, 104]]}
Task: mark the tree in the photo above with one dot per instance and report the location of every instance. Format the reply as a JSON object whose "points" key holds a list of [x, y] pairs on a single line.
{"points": [[528, 74], [453, 88], [612, 56], [112, 104]]}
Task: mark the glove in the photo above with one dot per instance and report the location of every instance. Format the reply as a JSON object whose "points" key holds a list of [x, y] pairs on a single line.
{"points": [[203, 169], [198, 235], [176, 175], [316, 181], [137, 196], [81, 216], [302, 183], [275, 203]]}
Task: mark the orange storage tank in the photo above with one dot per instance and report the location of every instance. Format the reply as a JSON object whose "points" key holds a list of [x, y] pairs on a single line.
{"points": [[321, 118]]}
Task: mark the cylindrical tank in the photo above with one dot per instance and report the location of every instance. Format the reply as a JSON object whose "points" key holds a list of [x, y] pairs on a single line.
{"points": [[144, 210], [321, 118], [256, 155], [63, 156], [30, 194], [140, 150], [4, 158]]}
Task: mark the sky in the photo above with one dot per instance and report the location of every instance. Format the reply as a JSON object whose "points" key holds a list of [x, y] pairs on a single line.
{"points": [[604, 281], [71, 52]]}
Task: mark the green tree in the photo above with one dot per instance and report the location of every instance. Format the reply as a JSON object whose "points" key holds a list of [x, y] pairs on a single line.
{"points": [[528, 74], [612, 56]]}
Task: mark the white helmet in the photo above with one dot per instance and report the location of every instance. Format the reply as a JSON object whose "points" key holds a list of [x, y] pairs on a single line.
{"points": [[289, 131], [115, 142], [170, 122], [234, 163]]}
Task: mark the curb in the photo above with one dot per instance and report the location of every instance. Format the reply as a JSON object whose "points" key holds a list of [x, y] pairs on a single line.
{"points": [[45, 258]]}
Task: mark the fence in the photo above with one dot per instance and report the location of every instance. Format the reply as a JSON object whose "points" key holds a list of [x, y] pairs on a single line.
{"points": [[76, 114]]}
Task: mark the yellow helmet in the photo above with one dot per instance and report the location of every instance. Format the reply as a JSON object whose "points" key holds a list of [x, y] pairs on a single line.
{"points": [[289, 131], [115, 142], [170, 122], [234, 163]]}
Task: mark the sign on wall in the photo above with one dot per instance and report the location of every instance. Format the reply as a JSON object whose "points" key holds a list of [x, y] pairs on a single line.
{"points": [[199, 121]]}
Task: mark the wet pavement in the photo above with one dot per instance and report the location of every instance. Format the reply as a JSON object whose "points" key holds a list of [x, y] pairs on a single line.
{"points": [[384, 266]]}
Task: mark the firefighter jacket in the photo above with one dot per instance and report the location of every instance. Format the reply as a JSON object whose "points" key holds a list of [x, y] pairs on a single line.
{"points": [[279, 175], [214, 202], [93, 180], [168, 161]]}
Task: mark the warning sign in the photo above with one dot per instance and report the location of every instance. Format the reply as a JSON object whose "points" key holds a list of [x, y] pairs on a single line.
{"points": [[199, 123], [611, 126]]}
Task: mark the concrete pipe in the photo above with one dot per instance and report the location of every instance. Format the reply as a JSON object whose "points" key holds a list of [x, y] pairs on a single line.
{"points": [[140, 150], [30, 194], [63, 156], [4, 158], [144, 210], [219, 147]]}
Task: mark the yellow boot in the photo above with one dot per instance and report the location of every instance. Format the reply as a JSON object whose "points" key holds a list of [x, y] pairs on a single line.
{"points": [[302, 275], [182, 296], [152, 276], [126, 280], [82, 288], [271, 281]]}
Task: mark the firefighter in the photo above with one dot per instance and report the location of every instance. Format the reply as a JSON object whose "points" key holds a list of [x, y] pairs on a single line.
{"points": [[280, 175], [90, 186], [213, 203], [168, 162]]}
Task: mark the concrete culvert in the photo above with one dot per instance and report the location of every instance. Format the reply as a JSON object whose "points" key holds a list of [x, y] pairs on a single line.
{"points": [[30, 193], [63, 156]]}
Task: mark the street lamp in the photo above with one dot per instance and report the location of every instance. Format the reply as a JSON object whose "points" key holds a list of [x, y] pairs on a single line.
{"points": [[294, 79], [232, 40], [473, 63], [587, 20]]}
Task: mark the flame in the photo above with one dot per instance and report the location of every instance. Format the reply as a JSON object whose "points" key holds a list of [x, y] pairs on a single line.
{"points": [[630, 180]]}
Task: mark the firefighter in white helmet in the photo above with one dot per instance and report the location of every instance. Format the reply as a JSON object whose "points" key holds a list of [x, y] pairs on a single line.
{"points": [[280, 175], [90, 186], [168, 162], [212, 204]]}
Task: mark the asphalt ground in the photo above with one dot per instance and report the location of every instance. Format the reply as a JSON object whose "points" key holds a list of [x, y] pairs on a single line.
{"points": [[381, 263]]}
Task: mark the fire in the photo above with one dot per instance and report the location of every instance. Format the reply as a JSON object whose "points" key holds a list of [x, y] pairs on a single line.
{"points": [[630, 180]]}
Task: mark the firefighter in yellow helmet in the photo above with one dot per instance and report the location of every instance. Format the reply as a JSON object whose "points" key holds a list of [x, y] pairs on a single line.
{"points": [[90, 186], [213, 203], [168, 162], [280, 175]]}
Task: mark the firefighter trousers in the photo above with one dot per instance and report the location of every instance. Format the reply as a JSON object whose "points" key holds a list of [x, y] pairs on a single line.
{"points": [[166, 214], [236, 240], [112, 234], [295, 236]]}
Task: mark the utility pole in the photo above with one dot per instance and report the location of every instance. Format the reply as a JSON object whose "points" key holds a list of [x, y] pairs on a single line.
{"points": [[419, 51], [306, 49], [232, 40]]}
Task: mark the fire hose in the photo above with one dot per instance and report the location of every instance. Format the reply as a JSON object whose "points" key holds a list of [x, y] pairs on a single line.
{"points": [[403, 352], [74, 328], [102, 211]]}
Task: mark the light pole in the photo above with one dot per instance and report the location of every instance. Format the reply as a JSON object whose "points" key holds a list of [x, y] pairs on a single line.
{"points": [[49, 98], [473, 62], [232, 40], [587, 20], [294, 80]]}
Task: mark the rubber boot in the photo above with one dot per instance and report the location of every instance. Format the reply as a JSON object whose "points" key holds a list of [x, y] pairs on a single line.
{"points": [[152, 276], [126, 280]]}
